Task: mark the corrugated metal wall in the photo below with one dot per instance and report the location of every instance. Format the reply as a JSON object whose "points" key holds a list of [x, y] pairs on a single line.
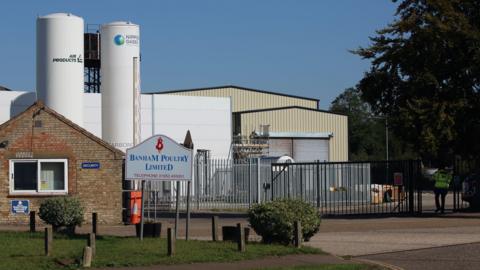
{"points": [[244, 99], [299, 120]]}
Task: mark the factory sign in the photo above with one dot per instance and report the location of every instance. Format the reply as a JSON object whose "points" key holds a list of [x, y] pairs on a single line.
{"points": [[72, 58], [119, 40], [398, 179], [20, 206], [159, 158]]}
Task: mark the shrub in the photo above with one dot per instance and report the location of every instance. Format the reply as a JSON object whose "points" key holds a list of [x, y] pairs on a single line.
{"points": [[274, 221], [62, 212]]}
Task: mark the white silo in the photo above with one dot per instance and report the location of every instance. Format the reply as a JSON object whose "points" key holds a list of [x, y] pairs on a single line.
{"points": [[60, 64], [120, 56]]}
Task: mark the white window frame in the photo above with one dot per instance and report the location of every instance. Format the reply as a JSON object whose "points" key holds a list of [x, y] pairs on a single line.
{"points": [[38, 191]]}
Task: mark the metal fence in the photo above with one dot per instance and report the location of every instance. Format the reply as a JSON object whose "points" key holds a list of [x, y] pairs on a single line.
{"points": [[335, 188], [342, 188], [462, 169]]}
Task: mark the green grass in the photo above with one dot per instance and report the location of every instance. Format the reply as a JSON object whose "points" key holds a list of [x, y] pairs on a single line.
{"points": [[22, 250], [330, 267]]}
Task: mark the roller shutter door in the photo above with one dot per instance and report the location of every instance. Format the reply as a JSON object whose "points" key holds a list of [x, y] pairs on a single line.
{"points": [[279, 147], [310, 150]]}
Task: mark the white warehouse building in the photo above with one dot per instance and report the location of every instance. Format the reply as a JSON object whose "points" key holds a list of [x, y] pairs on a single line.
{"points": [[207, 118]]}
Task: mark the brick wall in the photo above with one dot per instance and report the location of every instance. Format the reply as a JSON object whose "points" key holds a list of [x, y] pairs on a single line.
{"points": [[99, 190]]}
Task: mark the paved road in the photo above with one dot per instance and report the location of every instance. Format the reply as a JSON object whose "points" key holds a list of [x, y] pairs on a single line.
{"points": [[381, 241], [461, 257], [370, 236]]}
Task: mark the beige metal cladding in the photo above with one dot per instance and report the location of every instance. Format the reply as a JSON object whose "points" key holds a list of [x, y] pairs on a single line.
{"points": [[244, 99], [302, 120]]}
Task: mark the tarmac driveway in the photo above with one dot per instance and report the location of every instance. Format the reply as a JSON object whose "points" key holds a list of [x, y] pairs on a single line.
{"points": [[357, 237], [466, 256]]}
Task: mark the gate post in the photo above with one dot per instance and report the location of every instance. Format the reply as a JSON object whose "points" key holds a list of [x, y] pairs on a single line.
{"points": [[271, 174], [418, 174], [411, 189], [250, 182], [318, 184], [259, 199], [197, 181]]}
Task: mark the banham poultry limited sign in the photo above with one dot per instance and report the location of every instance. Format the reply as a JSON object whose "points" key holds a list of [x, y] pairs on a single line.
{"points": [[159, 158]]}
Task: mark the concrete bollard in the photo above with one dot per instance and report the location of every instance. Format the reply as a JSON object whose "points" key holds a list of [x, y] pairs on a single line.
{"points": [[297, 238], [48, 240], [91, 243], [215, 229], [87, 257], [33, 225], [170, 242], [95, 223], [241, 237]]}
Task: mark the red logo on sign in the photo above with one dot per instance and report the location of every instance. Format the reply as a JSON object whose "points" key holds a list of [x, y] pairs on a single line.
{"points": [[159, 145]]}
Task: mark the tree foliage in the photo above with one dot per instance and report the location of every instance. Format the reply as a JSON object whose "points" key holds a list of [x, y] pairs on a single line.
{"points": [[366, 131], [425, 76]]}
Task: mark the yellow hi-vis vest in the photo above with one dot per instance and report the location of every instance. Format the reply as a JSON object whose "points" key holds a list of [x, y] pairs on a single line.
{"points": [[442, 179]]}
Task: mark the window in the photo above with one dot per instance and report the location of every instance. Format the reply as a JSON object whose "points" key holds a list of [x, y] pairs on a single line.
{"points": [[42, 176]]}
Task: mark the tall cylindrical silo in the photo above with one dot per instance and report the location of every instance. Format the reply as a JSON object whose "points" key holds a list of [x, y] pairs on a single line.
{"points": [[120, 52], [60, 64]]}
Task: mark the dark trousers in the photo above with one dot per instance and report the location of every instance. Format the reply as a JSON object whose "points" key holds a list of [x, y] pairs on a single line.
{"points": [[440, 192]]}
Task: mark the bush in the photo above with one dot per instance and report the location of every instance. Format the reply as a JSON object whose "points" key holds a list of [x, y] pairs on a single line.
{"points": [[274, 221], [62, 212]]}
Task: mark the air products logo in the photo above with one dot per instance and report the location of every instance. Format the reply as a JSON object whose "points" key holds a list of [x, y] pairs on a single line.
{"points": [[119, 40]]}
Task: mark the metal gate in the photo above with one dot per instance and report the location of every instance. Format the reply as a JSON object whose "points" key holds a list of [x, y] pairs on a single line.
{"points": [[462, 171], [345, 188], [335, 188]]}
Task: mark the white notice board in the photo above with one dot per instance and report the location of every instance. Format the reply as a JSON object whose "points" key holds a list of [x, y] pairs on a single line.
{"points": [[159, 158]]}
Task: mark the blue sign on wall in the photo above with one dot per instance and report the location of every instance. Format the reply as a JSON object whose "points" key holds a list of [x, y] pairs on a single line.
{"points": [[20, 206], [90, 165]]}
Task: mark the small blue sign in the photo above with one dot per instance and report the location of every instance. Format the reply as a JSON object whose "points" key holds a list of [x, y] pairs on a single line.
{"points": [[20, 206], [90, 165]]}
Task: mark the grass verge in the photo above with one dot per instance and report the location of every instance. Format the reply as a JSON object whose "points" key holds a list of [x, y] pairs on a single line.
{"points": [[23, 250]]}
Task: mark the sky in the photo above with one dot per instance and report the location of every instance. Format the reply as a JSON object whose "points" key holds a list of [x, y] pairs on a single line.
{"points": [[297, 47]]}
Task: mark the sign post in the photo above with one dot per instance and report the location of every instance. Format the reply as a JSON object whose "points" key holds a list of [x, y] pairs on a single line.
{"points": [[159, 158], [187, 226], [143, 211], [177, 212]]}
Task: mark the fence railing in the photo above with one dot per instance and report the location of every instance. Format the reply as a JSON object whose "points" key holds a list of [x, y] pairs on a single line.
{"points": [[336, 188], [341, 188], [462, 170]]}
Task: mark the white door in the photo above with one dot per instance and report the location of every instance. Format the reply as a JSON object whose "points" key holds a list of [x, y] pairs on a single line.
{"points": [[279, 147], [310, 150]]}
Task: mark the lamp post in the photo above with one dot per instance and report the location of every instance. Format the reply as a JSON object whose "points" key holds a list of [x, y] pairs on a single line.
{"points": [[386, 136]]}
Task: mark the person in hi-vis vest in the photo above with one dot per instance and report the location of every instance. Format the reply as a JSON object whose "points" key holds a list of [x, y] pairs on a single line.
{"points": [[442, 179]]}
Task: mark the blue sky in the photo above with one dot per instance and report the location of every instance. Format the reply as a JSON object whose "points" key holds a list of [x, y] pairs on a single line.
{"points": [[297, 47]]}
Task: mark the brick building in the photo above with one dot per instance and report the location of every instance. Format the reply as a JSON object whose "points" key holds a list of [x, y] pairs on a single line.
{"points": [[43, 154]]}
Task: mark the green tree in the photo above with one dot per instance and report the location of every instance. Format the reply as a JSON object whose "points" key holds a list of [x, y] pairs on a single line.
{"points": [[425, 76], [366, 131]]}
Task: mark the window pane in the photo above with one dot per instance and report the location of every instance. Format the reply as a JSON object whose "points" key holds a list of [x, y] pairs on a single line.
{"points": [[52, 176], [25, 175]]}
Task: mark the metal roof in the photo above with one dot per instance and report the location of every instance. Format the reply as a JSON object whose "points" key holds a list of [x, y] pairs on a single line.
{"points": [[299, 135], [232, 86]]}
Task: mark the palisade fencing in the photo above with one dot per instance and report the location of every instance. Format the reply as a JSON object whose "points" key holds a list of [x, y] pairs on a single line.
{"points": [[463, 169], [343, 188], [335, 188]]}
